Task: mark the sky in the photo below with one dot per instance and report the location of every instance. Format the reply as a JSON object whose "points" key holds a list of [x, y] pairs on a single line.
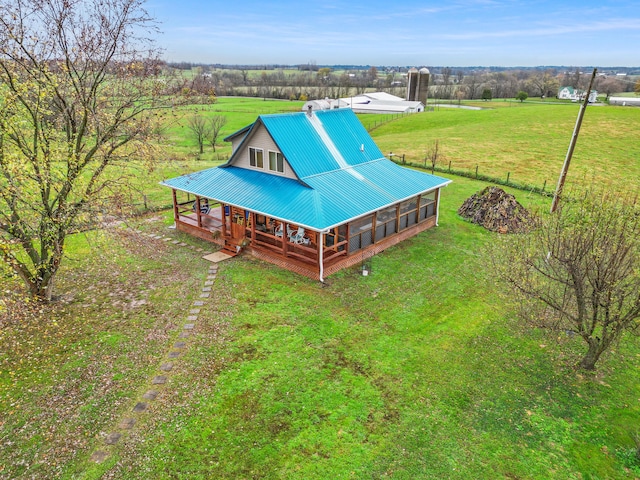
{"points": [[400, 32]]}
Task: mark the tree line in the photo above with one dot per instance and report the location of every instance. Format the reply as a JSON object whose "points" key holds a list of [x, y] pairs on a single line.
{"points": [[446, 83]]}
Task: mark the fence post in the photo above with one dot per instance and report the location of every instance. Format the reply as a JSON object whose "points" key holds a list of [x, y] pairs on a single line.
{"points": [[508, 174], [403, 159], [144, 198], [449, 165], [476, 172], [544, 186]]}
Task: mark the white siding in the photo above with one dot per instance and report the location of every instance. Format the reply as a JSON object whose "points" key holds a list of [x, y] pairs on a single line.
{"points": [[261, 139]]}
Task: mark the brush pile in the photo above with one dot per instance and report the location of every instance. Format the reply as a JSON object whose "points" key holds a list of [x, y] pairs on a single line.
{"points": [[496, 210]]}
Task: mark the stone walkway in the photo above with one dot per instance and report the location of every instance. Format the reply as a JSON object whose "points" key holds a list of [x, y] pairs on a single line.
{"points": [[164, 370]]}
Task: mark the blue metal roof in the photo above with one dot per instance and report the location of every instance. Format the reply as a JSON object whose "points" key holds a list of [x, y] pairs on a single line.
{"points": [[328, 140], [343, 174], [242, 131], [330, 199]]}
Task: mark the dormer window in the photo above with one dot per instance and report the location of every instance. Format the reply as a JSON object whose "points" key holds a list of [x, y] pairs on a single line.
{"points": [[276, 162], [256, 157]]}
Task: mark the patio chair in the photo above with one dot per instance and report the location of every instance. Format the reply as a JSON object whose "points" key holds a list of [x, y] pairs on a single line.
{"points": [[278, 231], [298, 237]]}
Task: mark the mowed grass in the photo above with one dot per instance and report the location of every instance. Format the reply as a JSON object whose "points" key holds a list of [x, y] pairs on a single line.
{"points": [[529, 141], [416, 371], [420, 370], [179, 142]]}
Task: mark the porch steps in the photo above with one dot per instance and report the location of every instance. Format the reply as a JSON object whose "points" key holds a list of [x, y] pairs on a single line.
{"points": [[230, 250]]}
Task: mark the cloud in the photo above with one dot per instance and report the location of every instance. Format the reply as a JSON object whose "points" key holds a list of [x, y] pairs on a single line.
{"points": [[550, 30]]}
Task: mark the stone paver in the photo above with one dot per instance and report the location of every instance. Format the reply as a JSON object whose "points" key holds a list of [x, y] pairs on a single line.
{"points": [[140, 407], [150, 395], [166, 239], [200, 250], [99, 456], [182, 244], [175, 242], [112, 438], [127, 423]]}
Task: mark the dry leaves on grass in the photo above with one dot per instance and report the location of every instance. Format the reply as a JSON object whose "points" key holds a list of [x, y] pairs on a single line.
{"points": [[74, 366]]}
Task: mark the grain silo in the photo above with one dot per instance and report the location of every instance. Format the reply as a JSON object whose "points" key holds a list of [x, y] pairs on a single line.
{"points": [[412, 84], [418, 85], [423, 86]]}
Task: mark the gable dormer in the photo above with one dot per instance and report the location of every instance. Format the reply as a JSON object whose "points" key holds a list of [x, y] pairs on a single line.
{"points": [[258, 151]]}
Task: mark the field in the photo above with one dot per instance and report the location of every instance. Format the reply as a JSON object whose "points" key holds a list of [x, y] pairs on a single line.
{"points": [[529, 141], [420, 370]]}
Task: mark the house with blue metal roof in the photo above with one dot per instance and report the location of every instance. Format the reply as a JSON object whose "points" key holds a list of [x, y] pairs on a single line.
{"points": [[309, 191]]}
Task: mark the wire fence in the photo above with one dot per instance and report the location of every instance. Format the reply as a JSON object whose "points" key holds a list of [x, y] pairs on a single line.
{"points": [[474, 173]]}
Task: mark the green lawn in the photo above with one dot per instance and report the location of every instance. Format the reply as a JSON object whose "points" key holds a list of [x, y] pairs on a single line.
{"points": [[419, 370], [529, 141], [416, 371]]}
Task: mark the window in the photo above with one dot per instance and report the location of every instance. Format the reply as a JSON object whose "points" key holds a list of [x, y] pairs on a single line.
{"points": [[255, 157], [276, 162]]}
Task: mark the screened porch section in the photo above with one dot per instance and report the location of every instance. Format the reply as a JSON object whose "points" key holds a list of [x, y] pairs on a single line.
{"points": [[298, 248]]}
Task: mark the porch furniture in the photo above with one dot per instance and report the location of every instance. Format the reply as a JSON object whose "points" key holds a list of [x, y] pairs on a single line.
{"points": [[298, 237]]}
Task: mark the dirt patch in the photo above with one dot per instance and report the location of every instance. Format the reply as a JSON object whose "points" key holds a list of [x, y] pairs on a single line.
{"points": [[496, 210]]}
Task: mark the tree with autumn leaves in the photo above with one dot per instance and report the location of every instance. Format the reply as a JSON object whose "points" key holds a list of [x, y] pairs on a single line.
{"points": [[77, 82]]}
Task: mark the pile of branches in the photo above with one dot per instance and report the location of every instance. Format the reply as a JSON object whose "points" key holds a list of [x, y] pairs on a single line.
{"points": [[496, 210]]}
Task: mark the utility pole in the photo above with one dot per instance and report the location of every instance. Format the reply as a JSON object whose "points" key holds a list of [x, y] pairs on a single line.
{"points": [[572, 146]]}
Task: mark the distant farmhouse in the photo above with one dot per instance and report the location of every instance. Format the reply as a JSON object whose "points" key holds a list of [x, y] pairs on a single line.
{"points": [[625, 101], [576, 95], [309, 191]]}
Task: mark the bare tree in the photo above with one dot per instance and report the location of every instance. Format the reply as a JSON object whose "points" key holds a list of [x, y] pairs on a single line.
{"points": [[215, 125], [609, 86], [76, 78], [200, 129], [473, 83], [583, 262]]}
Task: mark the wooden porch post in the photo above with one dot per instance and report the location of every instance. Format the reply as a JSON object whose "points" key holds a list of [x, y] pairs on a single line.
{"points": [[348, 237], [175, 206], [253, 227], [418, 209], [284, 238], [224, 221], [374, 221], [397, 218], [198, 213]]}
